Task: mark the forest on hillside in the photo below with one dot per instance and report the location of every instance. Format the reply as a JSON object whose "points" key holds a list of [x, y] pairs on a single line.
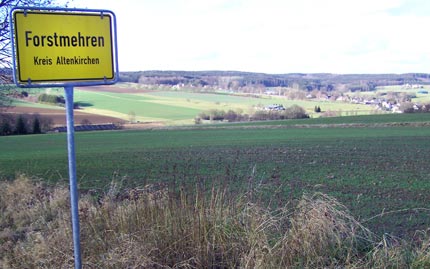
{"points": [[257, 82], [234, 80]]}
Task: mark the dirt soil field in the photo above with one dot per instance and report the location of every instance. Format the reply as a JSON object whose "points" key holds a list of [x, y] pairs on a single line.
{"points": [[144, 125], [112, 89], [58, 116]]}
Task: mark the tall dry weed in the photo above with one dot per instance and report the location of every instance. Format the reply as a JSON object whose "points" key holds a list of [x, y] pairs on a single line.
{"points": [[31, 220], [157, 227]]}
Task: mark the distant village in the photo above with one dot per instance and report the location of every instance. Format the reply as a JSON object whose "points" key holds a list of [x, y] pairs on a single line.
{"points": [[356, 89], [390, 101]]}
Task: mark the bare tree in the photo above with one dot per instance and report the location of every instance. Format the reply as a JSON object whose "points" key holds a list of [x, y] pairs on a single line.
{"points": [[5, 41]]}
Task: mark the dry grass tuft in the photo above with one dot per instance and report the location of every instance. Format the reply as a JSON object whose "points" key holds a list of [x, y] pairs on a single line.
{"points": [[157, 227], [31, 215], [422, 258], [323, 234]]}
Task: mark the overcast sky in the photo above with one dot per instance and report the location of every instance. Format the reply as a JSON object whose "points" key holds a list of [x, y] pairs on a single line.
{"points": [[272, 36]]}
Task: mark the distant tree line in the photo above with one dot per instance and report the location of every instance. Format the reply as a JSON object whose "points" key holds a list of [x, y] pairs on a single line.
{"points": [[23, 124], [234, 80], [292, 112]]}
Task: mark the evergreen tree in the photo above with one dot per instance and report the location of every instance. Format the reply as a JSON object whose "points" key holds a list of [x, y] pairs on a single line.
{"points": [[21, 126], [5, 128], [36, 126]]}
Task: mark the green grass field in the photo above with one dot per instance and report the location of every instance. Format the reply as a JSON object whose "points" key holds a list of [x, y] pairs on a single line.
{"points": [[145, 107], [374, 171], [176, 107], [419, 97]]}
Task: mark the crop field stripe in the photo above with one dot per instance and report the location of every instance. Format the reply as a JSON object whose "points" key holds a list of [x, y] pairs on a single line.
{"points": [[140, 105], [229, 136]]}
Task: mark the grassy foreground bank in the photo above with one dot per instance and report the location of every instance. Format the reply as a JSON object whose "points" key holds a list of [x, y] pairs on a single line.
{"points": [[157, 227]]}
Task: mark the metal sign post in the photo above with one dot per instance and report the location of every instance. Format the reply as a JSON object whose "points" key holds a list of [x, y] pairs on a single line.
{"points": [[55, 47], [68, 90]]}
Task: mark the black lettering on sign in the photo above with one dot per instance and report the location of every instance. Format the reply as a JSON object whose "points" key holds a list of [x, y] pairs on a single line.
{"points": [[56, 40], [42, 61], [77, 60]]}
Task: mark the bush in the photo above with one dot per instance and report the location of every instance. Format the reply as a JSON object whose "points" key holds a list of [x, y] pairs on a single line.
{"points": [[6, 127], [425, 108], [213, 114], [263, 115], [231, 116], [45, 123], [216, 114], [197, 120], [51, 99], [203, 116], [295, 112], [407, 107]]}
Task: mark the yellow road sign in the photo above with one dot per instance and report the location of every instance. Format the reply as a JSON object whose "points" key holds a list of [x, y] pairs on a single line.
{"points": [[63, 46]]}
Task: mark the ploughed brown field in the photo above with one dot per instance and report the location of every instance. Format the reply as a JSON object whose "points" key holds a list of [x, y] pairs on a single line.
{"points": [[113, 89], [58, 116]]}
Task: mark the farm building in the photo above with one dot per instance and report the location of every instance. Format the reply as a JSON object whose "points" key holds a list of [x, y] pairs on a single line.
{"points": [[274, 107]]}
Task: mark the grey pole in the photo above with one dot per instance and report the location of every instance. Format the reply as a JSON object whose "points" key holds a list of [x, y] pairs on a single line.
{"points": [[68, 90]]}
